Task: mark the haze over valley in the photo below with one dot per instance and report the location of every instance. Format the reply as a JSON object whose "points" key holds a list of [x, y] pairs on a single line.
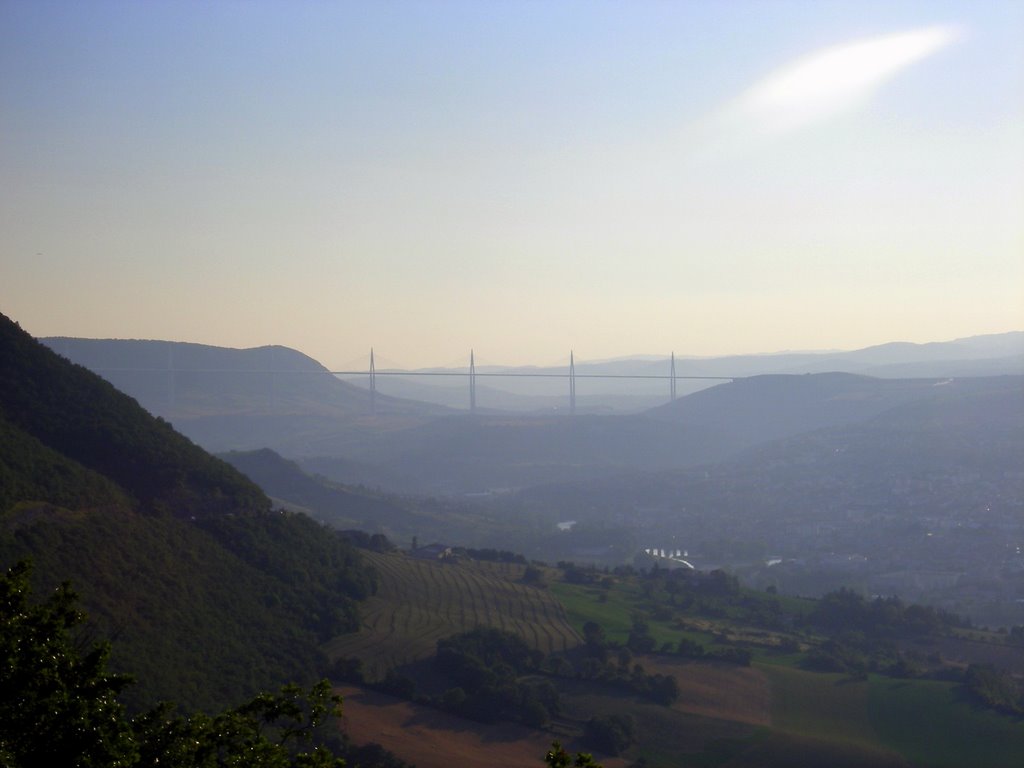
{"points": [[441, 534], [442, 383], [911, 486]]}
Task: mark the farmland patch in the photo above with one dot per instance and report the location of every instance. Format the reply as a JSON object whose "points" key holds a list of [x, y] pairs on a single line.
{"points": [[429, 738], [418, 602]]}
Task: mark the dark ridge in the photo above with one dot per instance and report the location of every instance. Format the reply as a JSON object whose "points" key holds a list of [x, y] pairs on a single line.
{"points": [[76, 413]]}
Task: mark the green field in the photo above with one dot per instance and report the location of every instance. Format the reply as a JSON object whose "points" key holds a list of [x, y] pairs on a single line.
{"points": [[927, 722], [820, 705], [931, 723]]}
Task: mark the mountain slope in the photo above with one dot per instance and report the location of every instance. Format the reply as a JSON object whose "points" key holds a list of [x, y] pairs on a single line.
{"points": [[31, 470], [334, 504], [76, 413], [241, 399], [210, 596], [759, 409]]}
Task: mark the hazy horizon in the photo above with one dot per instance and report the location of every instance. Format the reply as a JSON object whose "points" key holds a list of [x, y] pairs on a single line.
{"points": [[521, 179]]}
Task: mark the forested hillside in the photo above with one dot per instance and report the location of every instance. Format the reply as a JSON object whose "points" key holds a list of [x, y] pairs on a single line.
{"points": [[209, 595], [85, 418]]}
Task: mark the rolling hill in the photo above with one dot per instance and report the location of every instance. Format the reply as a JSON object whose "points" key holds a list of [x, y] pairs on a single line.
{"points": [[243, 399], [333, 504], [760, 409], [479, 453], [273, 397]]}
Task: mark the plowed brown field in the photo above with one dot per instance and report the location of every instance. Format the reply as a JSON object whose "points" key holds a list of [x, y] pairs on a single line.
{"points": [[720, 690], [432, 739]]}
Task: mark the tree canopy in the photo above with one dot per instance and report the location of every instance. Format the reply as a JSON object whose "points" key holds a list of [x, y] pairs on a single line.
{"points": [[59, 703]]}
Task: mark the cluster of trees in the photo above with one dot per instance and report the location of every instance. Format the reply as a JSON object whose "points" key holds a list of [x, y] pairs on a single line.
{"points": [[612, 663], [715, 594], [862, 633], [580, 574], [611, 734], [374, 542], [995, 688], [640, 640], [491, 555], [847, 611], [487, 667], [557, 757], [496, 676]]}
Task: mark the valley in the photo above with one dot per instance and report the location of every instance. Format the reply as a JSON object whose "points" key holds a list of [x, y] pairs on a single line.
{"points": [[392, 553], [425, 384]]}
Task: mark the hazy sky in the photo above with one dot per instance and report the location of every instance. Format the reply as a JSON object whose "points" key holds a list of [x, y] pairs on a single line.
{"points": [[523, 178]]}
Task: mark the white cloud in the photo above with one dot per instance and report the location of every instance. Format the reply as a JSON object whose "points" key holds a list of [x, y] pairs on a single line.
{"points": [[812, 89], [835, 80]]}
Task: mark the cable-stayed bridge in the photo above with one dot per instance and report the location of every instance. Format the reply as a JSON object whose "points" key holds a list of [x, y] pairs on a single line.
{"points": [[571, 376], [269, 364]]}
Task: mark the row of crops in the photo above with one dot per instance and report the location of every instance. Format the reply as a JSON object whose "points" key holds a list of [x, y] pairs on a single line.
{"points": [[420, 601]]}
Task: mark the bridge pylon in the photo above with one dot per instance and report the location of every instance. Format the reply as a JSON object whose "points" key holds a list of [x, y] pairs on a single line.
{"points": [[472, 383], [672, 378], [373, 385], [572, 384]]}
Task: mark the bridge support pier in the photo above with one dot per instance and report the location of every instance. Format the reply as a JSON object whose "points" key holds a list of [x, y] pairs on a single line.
{"points": [[472, 383], [373, 385], [572, 384], [672, 378]]}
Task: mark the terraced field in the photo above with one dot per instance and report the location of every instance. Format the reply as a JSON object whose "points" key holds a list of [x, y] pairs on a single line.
{"points": [[420, 601]]}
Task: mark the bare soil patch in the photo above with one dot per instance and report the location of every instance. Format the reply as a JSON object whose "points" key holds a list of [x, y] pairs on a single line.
{"points": [[432, 739], [719, 690]]}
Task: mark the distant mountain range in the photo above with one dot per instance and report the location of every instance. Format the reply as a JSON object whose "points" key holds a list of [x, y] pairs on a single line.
{"points": [[219, 380], [463, 454], [273, 397], [916, 481], [989, 355]]}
